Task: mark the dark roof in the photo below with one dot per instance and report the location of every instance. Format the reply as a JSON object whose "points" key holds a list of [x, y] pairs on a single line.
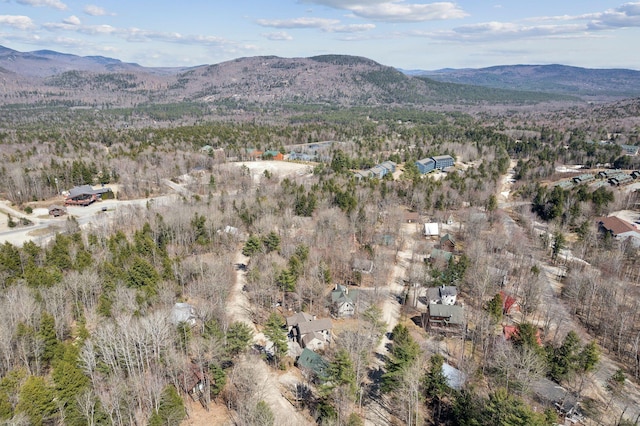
{"points": [[425, 161], [363, 265], [312, 361], [447, 237], [298, 318], [437, 254], [454, 313], [315, 325], [86, 190], [615, 225], [343, 295]]}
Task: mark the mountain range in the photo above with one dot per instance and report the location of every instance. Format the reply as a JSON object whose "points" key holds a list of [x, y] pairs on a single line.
{"points": [[560, 79], [46, 77]]}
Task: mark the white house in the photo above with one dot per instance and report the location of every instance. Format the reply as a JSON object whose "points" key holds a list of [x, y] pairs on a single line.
{"points": [[343, 301], [445, 295], [431, 229]]}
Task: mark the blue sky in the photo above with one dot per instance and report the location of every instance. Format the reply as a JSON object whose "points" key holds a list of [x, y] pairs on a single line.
{"points": [[410, 34]]}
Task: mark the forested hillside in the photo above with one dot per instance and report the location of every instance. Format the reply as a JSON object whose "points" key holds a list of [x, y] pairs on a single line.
{"points": [[291, 263]]}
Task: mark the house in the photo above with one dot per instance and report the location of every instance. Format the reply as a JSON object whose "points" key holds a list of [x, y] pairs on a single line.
{"points": [[445, 295], [438, 255], [273, 155], [584, 178], [425, 165], [194, 383], [565, 184], [620, 179], [308, 331], [84, 195], [431, 229], [620, 229], [411, 217], [443, 161], [183, 313], [497, 275], [343, 301], [448, 243], [510, 304], [635, 174], [510, 331], [364, 266], [312, 364], [364, 174], [56, 210], [630, 149], [443, 316], [450, 220], [389, 165], [300, 156], [254, 154], [455, 378], [378, 171], [565, 403]]}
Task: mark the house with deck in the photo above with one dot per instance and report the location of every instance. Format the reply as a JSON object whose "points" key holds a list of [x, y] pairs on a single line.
{"points": [[439, 316]]}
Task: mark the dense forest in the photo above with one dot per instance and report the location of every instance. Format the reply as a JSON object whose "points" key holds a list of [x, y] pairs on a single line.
{"points": [[92, 329]]}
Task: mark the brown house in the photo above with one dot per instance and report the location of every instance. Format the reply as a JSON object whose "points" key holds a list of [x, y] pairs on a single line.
{"points": [[411, 217], [448, 243], [195, 382], [444, 317]]}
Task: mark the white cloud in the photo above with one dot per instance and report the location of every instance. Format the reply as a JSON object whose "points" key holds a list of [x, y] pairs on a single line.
{"points": [[402, 12], [143, 36], [17, 21], [72, 20], [627, 15], [297, 23], [344, 4], [352, 28], [56, 4], [94, 10], [396, 10], [278, 36], [585, 25]]}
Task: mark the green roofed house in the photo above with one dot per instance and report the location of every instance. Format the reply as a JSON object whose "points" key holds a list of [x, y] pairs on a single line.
{"points": [[312, 363], [448, 243], [630, 149], [443, 316], [343, 301], [438, 255]]}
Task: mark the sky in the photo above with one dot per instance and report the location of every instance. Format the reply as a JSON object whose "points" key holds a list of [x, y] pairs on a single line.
{"points": [[408, 34]]}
